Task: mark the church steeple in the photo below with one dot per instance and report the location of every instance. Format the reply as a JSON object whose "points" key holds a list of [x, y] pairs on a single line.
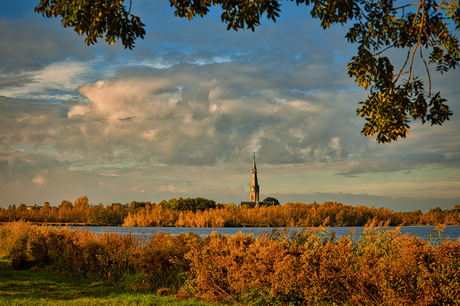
{"points": [[254, 191]]}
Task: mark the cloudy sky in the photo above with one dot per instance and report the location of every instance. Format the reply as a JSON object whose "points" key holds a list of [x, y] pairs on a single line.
{"points": [[181, 114]]}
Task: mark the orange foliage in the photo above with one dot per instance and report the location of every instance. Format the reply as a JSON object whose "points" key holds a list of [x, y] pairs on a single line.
{"points": [[309, 267], [175, 213]]}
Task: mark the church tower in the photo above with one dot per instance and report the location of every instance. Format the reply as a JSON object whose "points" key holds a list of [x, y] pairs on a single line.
{"points": [[254, 191]]}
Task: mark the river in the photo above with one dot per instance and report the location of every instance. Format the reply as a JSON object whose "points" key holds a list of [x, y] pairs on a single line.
{"points": [[423, 232]]}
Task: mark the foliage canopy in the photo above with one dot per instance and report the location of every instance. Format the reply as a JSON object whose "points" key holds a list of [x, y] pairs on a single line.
{"points": [[396, 97], [282, 267], [272, 199], [201, 212]]}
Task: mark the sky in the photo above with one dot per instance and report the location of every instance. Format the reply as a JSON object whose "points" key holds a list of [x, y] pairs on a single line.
{"points": [[182, 114]]}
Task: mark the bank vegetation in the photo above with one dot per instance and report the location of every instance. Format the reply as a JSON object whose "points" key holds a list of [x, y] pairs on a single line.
{"points": [[309, 267], [200, 212]]}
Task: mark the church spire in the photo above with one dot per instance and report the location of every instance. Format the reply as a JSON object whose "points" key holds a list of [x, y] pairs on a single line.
{"points": [[254, 191]]}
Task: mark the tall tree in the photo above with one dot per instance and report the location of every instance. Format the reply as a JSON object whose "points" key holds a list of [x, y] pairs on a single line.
{"points": [[397, 96], [272, 199], [81, 203]]}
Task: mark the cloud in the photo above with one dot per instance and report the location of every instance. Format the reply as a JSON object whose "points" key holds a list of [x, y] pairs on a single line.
{"points": [[52, 82], [39, 179], [396, 203], [205, 115], [30, 41], [185, 116], [78, 110], [181, 114]]}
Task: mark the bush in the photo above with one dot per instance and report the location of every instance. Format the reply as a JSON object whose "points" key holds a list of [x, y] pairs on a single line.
{"points": [[379, 267], [163, 260]]}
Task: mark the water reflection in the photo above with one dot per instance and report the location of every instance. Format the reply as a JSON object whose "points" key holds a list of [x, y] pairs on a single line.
{"points": [[423, 232]]}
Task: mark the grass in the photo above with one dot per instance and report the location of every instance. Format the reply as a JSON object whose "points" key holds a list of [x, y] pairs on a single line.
{"points": [[42, 288]]}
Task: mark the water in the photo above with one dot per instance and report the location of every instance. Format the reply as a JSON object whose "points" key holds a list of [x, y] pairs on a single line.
{"points": [[423, 232]]}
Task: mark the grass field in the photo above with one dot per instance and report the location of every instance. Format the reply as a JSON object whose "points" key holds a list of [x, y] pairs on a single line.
{"points": [[42, 288]]}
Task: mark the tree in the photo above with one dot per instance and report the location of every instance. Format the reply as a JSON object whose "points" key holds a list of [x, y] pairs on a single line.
{"points": [[81, 203], [190, 204], [272, 199], [65, 205], [396, 96], [22, 207], [94, 19]]}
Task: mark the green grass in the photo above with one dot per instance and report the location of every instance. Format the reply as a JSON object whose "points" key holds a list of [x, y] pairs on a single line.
{"points": [[42, 288]]}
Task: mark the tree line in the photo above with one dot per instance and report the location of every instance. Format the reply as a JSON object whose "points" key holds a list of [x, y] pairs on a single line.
{"points": [[201, 212]]}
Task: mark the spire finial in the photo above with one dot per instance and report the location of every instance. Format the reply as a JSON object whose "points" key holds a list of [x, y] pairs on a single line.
{"points": [[254, 193]]}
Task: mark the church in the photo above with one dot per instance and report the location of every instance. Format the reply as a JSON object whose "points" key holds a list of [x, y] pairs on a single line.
{"points": [[254, 190]]}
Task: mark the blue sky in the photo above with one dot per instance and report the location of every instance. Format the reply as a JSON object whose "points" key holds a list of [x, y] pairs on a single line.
{"points": [[181, 114]]}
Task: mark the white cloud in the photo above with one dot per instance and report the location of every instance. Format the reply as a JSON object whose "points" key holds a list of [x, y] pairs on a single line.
{"points": [[172, 117], [78, 110], [61, 75], [129, 98], [40, 84], [173, 189], [39, 179], [304, 106]]}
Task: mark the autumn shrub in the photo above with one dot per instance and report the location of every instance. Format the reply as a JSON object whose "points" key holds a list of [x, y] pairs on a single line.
{"points": [[239, 267], [308, 267], [119, 259], [379, 267], [20, 242], [10, 233], [65, 251], [445, 274], [209, 267], [115, 255], [19, 258], [162, 260]]}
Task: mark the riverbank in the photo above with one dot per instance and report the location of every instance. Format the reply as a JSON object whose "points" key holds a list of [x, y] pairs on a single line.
{"points": [[188, 213], [25, 287], [53, 223], [308, 267]]}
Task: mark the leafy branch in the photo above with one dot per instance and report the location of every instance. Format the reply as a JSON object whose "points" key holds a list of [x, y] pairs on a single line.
{"points": [[392, 104]]}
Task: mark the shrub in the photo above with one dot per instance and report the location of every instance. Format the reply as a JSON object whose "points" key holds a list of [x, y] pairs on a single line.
{"points": [[162, 260], [378, 267]]}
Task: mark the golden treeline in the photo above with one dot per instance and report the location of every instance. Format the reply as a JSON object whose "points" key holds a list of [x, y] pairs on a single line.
{"points": [[199, 212]]}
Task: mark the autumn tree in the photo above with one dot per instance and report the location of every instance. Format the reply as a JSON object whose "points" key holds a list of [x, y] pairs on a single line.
{"points": [[192, 204], [81, 203], [65, 211], [423, 31], [272, 199]]}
